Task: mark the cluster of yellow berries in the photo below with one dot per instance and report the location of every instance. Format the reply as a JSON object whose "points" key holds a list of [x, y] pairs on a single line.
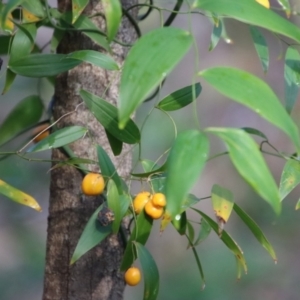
{"points": [[93, 184], [153, 204]]}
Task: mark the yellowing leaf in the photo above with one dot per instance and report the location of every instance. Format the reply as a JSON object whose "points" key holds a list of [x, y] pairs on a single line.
{"points": [[18, 196], [8, 24], [28, 17], [222, 200], [264, 3]]}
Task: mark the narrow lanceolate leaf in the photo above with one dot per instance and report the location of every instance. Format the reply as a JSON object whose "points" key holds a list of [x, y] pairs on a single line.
{"points": [[96, 58], [254, 93], [23, 42], [227, 240], [216, 34], [18, 196], [139, 234], [255, 132], [150, 272], [261, 47], [35, 7], [7, 9], [43, 65], [115, 144], [113, 16], [108, 169], [60, 138], [247, 159], [114, 203], [290, 177], [107, 115], [291, 77], [204, 232], [92, 31], [251, 12], [30, 108], [180, 98], [184, 165], [222, 200], [257, 232], [197, 262], [148, 62], [77, 8], [92, 235]]}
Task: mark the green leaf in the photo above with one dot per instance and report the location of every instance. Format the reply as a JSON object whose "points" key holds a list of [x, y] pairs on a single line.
{"points": [[35, 7], [180, 222], [25, 114], [92, 31], [247, 89], [249, 162], [113, 16], [226, 239], [255, 230], [18, 196], [10, 78], [60, 138], [216, 34], [291, 77], [290, 177], [43, 65], [180, 98], [139, 234], [198, 263], [23, 42], [56, 38], [115, 144], [108, 169], [251, 12], [222, 201], [77, 8], [184, 165], [9, 7], [113, 203], [255, 132], [261, 47], [125, 201], [204, 232], [107, 115], [91, 236], [150, 272], [96, 58], [148, 62], [190, 233]]}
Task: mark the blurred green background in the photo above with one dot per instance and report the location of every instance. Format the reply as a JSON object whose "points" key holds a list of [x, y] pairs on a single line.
{"points": [[23, 231]]}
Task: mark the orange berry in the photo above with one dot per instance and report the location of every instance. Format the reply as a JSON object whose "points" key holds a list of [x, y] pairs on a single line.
{"points": [[38, 129], [92, 184], [264, 3], [140, 201], [132, 276], [159, 199], [155, 212]]}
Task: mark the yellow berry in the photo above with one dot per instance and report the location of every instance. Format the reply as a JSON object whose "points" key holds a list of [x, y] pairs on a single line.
{"points": [[155, 212], [132, 276], [159, 199], [92, 184], [140, 201]]}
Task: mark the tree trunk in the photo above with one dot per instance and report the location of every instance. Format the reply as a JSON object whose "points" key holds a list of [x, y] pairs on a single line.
{"points": [[96, 275]]}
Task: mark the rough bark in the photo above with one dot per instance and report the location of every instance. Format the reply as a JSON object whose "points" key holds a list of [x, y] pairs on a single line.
{"points": [[96, 275]]}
